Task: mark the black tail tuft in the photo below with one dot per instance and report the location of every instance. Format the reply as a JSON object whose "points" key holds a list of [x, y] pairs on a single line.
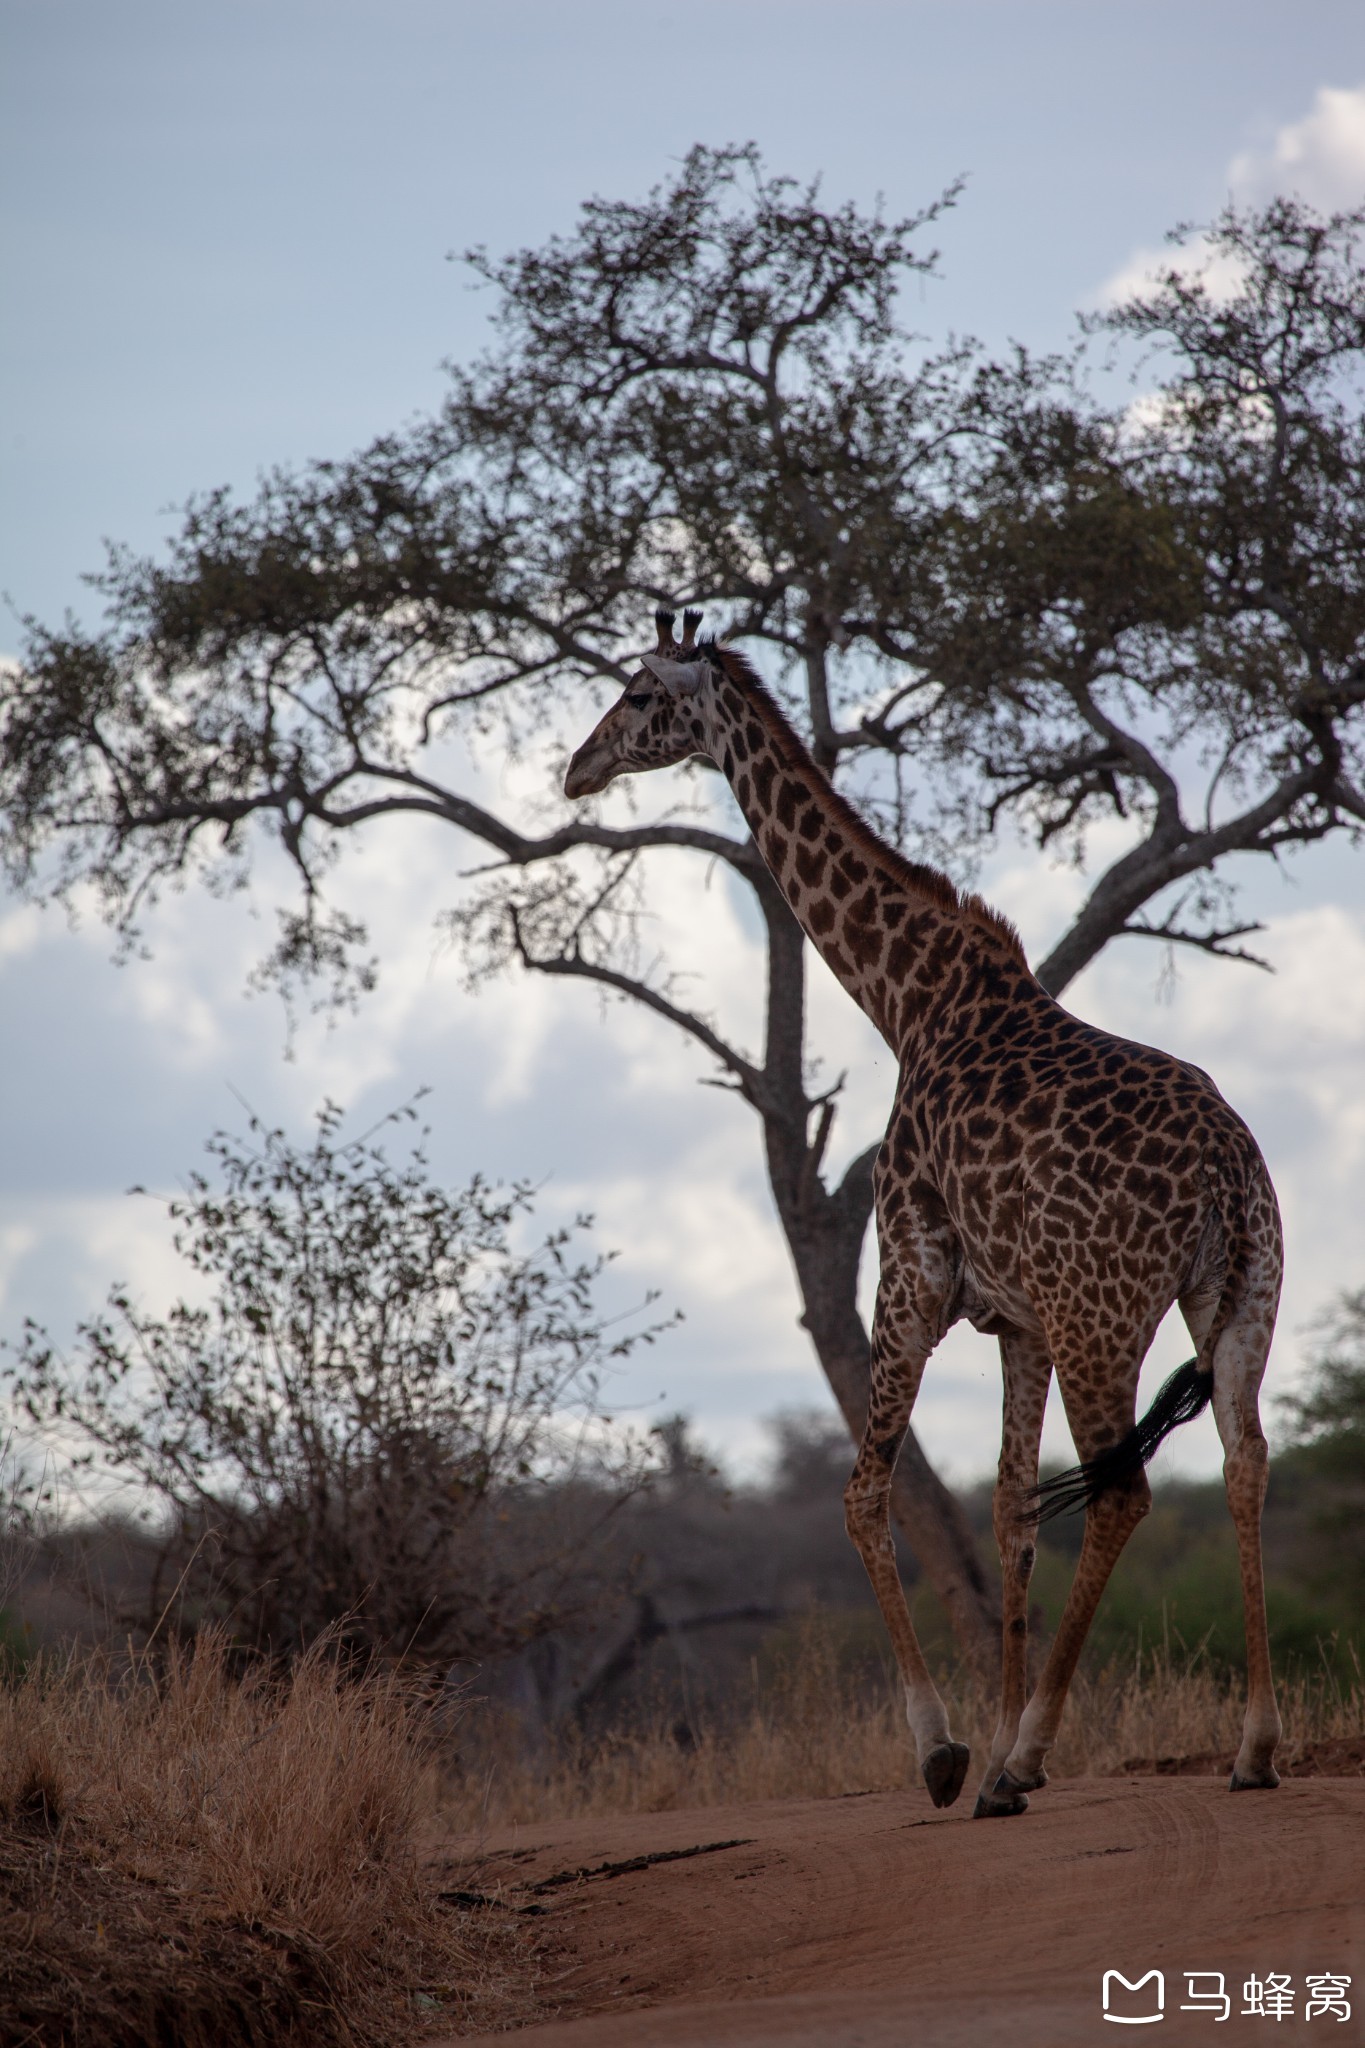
{"points": [[1185, 1395]]}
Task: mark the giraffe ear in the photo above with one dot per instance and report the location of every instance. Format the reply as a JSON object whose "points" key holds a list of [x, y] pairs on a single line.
{"points": [[679, 678]]}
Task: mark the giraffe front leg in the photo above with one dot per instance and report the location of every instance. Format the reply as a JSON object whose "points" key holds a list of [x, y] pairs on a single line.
{"points": [[867, 1514], [898, 1355], [1027, 1371]]}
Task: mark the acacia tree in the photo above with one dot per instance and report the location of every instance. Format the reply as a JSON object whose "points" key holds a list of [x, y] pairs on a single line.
{"points": [[988, 599]]}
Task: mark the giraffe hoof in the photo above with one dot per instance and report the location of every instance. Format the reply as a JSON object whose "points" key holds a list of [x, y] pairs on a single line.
{"points": [[1262, 1781], [944, 1769], [989, 1807], [1008, 1795]]}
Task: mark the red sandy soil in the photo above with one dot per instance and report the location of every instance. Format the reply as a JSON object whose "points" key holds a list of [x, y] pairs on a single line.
{"points": [[875, 1922]]}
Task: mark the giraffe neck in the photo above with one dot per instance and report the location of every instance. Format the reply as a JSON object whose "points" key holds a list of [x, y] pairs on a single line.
{"points": [[890, 931]]}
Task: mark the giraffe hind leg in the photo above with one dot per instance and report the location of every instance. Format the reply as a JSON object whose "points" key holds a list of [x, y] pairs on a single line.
{"points": [[867, 1509], [1109, 1522], [1111, 1515], [1239, 1358], [1027, 1370], [1239, 1361]]}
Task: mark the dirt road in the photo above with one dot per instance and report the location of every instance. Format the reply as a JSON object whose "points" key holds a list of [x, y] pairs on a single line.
{"points": [[871, 1922]]}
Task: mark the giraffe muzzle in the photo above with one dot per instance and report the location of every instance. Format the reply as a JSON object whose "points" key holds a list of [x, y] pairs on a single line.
{"points": [[588, 772]]}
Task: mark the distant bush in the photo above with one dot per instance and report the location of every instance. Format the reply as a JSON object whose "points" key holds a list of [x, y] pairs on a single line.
{"points": [[1320, 1469], [386, 1422]]}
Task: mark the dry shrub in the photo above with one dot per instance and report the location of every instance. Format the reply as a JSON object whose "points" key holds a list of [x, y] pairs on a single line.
{"points": [[191, 1857], [383, 1421], [818, 1732]]}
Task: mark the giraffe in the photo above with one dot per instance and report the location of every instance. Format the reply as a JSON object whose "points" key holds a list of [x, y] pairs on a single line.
{"points": [[1053, 1185]]}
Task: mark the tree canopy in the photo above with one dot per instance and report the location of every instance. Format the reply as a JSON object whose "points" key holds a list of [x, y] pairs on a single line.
{"points": [[991, 598]]}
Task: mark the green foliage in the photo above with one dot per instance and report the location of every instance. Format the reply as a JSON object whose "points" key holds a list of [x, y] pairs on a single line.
{"points": [[1322, 1466], [385, 1419], [1327, 1414], [1178, 1584]]}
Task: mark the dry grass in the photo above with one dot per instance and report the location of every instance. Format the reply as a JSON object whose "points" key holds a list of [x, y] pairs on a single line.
{"points": [[189, 1857], [816, 1734]]}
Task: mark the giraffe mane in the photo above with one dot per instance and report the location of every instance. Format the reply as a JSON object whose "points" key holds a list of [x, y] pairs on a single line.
{"points": [[928, 882]]}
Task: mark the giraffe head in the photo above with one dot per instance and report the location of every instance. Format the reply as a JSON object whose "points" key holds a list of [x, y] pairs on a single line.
{"points": [[656, 723]]}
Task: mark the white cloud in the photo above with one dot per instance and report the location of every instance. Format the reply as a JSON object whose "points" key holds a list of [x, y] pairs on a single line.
{"points": [[22, 927], [61, 1260], [702, 1226], [17, 1240], [1221, 272], [1320, 159]]}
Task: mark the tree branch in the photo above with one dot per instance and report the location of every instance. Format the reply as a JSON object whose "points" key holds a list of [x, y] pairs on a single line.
{"points": [[1215, 941], [750, 1080]]}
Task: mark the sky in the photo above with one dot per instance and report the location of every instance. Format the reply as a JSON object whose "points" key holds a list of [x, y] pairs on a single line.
{"points": [[224, 235]]}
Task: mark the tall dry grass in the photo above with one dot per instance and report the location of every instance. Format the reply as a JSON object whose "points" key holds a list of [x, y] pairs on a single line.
{"points": [[818, 1732], [192, 1857]]}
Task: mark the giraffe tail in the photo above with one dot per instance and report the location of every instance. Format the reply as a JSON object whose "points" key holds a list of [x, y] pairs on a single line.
{"points": [[1185, 1395]]}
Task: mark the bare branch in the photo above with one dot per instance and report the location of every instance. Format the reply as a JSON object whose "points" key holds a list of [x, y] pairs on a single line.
{"points": [[749, 1080], [1216, 941]]}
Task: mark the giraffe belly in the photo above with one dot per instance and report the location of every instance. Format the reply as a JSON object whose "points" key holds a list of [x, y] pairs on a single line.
{"points": [[996, 1305], [986, 1209], [1028, 1267]]}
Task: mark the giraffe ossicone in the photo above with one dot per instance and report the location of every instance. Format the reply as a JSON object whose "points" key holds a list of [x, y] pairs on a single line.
{"points": [[1041, 1179]]}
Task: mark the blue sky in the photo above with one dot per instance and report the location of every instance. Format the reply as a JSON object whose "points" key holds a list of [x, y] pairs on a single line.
{"points": [[224, 225], [225, 232]]}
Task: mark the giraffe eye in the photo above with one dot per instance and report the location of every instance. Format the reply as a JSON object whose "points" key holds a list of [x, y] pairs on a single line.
{"points": [[638, 701]]}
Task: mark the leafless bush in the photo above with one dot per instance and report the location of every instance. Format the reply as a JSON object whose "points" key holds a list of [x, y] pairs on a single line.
{"points": [[387, 1420], [16, 1523]]}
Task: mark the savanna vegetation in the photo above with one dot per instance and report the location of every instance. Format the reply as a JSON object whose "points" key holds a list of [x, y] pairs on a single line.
{"points": [[216, 1793], [995, 597], [195, 1856], [357, 1539], [384, 1422]]}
